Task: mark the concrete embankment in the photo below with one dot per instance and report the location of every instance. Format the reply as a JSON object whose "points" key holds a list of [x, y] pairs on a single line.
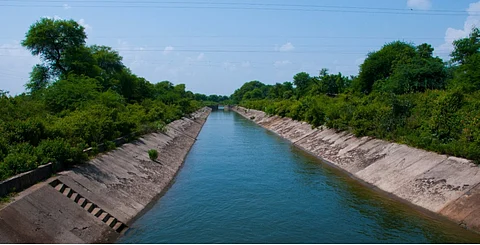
{"points": [[445, 185], [97, 201]]}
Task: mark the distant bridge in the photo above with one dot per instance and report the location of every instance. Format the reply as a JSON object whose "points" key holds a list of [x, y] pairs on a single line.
{"points": [[220, 107]]}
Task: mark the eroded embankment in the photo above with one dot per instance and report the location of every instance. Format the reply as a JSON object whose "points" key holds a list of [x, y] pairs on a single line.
{"points": [[445, 185], [97, 201]]}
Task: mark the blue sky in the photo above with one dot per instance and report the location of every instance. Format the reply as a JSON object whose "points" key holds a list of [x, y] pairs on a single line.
{"points": [[215, 48]]}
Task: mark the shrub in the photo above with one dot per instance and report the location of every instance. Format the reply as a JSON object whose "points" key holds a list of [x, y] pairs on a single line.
{"points": [[59, 152], [110, 145], [17, 162], [153, 154]]}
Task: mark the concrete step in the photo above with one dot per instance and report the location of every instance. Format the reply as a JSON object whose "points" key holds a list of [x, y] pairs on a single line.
{"points": [[60, 187], [89, 207], [75, 197], [104, 216], [97, 211], [119, 227], [111, 222], [82, 202], [68, 192]]}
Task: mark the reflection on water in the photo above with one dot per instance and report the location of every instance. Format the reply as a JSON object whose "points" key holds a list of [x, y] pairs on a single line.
{"points": [[243, 184]]}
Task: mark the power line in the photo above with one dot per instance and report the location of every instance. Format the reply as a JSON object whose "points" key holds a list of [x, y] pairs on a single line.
{"points": [[261, 37], [238, 3], [237, 51], [324, 9], [244, 4]]}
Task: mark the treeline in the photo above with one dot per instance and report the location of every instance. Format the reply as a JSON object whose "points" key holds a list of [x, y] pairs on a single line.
{"points": [[80, 96], [212, 99], [402, 94]]}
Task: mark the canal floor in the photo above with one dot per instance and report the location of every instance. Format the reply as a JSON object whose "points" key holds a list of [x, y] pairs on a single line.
{"points": [[243, 184]]}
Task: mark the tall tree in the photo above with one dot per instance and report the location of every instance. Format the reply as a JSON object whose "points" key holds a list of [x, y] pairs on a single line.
{"points": [[302, 82], [379, 65], [52, 40], [466, 47]]}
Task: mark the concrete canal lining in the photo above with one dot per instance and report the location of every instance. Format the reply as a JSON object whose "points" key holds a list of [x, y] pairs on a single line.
{"points": [[445, 185], [97, 201]]}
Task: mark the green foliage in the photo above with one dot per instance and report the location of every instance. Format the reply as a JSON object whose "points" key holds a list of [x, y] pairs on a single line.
{"points": [[249, 87], [378, 65], [302, 82], [402, 94], [69, 94], [59, 152], [466, 47], [39, 78], [21, 158], [108, 60], [53, 39], [80, 97], [331, 84], [30, 131], [109, 145], [153, 154], [467, 76]]}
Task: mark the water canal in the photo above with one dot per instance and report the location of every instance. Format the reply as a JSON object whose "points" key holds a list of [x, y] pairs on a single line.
{"points": [[243, 184]]}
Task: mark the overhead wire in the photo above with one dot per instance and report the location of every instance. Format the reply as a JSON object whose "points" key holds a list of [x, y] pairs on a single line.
{"points": [[240, 6], [237, 51]]}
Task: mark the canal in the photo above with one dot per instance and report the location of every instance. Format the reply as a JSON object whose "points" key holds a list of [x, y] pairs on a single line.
{"points": [[243, 184]]}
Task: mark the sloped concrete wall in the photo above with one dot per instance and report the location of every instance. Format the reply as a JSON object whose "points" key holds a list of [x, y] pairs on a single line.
{"points": [[116, 186], [442, 184]]}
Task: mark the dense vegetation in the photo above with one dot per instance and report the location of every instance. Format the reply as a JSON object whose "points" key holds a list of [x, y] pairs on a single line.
{"points": [[80, 96], [402, 93]]}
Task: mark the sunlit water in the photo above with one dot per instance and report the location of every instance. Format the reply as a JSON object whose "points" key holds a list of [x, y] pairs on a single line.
{"points": [[243, 184]]}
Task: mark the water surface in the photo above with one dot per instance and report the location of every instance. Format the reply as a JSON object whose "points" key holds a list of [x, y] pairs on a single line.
{"points": [[243, 184]]}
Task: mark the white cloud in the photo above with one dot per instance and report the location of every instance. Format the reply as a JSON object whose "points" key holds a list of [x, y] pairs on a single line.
{"points": [[419, 4], [168, 50], [286, 47], [452, 34], [85, 25], [281, 63], [66, 6]]}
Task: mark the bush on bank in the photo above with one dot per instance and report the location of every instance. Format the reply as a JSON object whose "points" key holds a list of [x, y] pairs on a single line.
{"points": [[402, 94]]}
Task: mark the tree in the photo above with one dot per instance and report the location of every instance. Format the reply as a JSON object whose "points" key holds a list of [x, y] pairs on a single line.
{"points": [[416, 73], [71, 93], [107, 59], [425, 50], [39, 78], [239, 94], [302, 82], [466, 47], [333, 84], [379, 65], [3, 93], [467, 75], [52, 40]]}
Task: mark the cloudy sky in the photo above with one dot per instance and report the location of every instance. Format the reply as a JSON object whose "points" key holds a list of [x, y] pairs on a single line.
{"points": [[215, 46]]}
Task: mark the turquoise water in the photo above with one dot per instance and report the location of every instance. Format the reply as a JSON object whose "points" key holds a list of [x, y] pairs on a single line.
{"points": [[243, 184]]}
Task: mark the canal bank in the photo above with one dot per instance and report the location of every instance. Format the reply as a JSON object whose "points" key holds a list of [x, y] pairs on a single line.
{"points": [[444, 185], [97, 202]]}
